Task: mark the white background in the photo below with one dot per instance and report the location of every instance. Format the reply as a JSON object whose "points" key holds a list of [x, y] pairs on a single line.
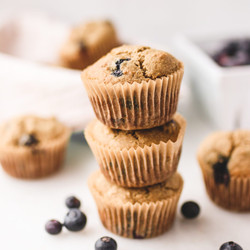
{"points": [[25, 206], [151, 20]]}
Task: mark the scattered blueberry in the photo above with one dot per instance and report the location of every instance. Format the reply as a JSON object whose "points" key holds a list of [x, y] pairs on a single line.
{"points": [[105, 243], [53, 227], [190, 209], [75, 220], [117, 72], [28, 140], [230, 246], [72, 202], [220, 170]]}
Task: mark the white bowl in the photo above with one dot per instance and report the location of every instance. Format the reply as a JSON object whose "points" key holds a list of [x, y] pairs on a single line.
{"points": [[223, 92]]}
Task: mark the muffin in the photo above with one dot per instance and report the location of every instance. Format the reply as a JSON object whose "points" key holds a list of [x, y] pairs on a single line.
{"points": [[32, 147], [137, 158], [87, 43], [224, 158], [136, 212], [134, 87]]}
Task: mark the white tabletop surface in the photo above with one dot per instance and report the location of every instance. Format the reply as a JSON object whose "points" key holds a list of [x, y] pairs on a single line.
{"points": [[27, 205]]}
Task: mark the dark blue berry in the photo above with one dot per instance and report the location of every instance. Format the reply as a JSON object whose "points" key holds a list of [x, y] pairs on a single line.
{"points": [[244, 45], [221, 173], [75, 220], [231, 48], [190, 209], [28, 140], [53, 227], [82, 46], [120, 61], [117, 72], [234, 53], [230, 246], [105, 243], [72, 202]]}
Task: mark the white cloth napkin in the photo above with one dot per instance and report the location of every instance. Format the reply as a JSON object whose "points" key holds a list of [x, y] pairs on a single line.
{"points": [[27, 86]]}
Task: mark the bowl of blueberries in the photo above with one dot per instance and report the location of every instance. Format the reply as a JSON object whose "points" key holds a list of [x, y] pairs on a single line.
{"points": [[218, 68]]}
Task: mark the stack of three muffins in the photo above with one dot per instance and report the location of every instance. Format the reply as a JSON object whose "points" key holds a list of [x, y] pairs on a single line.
{"points": [[134, 92]]}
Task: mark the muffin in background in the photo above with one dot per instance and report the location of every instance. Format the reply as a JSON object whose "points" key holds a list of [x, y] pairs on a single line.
{"points": [[87, 43], [137, 158], [136, 212], [32, 147], [224, 158], [134, 87]]}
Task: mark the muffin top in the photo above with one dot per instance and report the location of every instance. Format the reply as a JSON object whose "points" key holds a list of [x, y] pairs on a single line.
{"points": [[120, 139], [227, 151], [120, 195], [28, 131], [130, 63], [87, 35]]}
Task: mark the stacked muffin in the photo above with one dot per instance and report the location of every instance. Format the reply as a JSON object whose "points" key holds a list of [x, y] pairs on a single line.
{"points": [[136, 140]]}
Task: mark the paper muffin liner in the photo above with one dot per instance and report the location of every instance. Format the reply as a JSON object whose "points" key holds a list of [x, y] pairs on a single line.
{"points": [[34, 162], [139, 220], [85, 58], [138, 105], [234, 196], [141, 166]]}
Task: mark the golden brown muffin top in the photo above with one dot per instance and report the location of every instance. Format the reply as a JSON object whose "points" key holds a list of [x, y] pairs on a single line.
{"points": [[30, 130], [230, 150], [87, 35], [131, 63], [120, 195], [120, 139], [92, 33]]}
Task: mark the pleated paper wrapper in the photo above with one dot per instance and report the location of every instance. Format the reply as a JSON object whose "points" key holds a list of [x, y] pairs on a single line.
{"points": [[234, 196], [141, 166], [34, 162], [135, 106], [137, 221]]}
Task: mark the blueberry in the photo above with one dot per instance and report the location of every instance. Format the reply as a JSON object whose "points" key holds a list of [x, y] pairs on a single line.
{"points": [[231, 48], [75, 220], [72, 202], [120, 61], [190, 209], [105, 243], [230, 246], [244, 45], [234, 53], [53, 227], [224, 60], [28, 140], [241, 58], [82, 46], [221, 173], [117, 72]]}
